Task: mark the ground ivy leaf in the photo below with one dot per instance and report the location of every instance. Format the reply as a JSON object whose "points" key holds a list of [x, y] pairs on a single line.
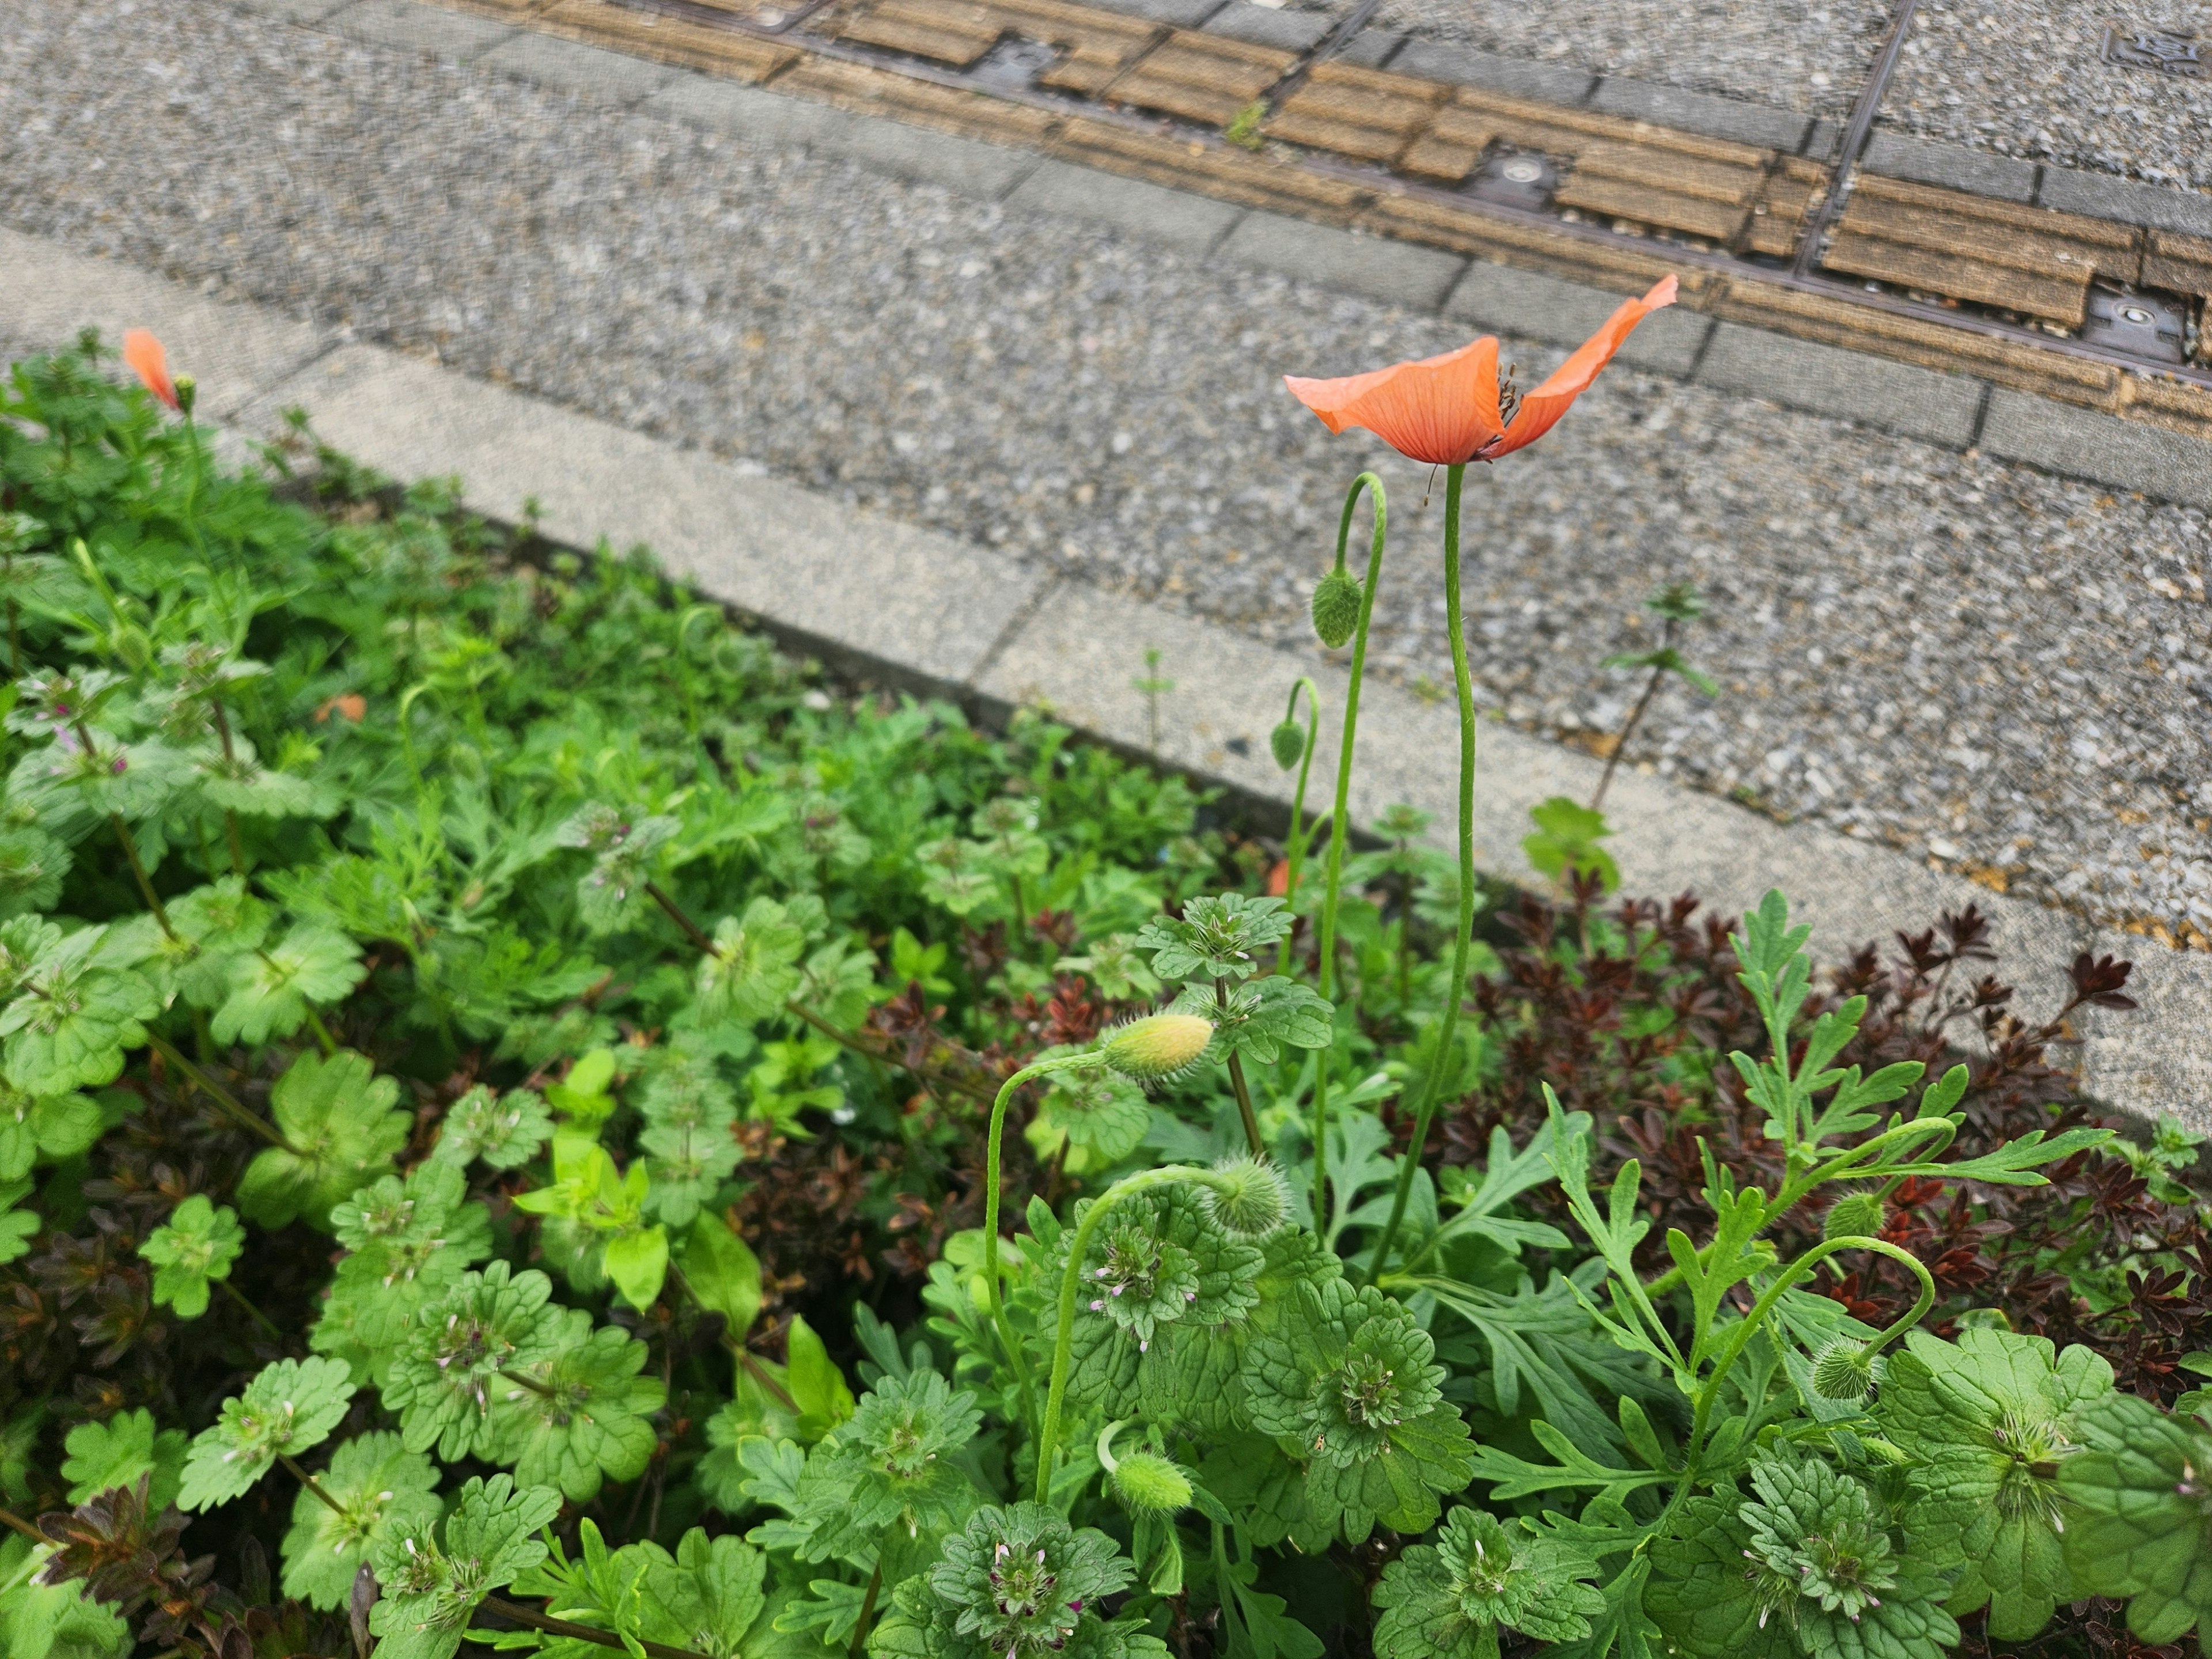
{"points": [[73, 1016], [271, 989], [581, 1416], [290, 1408], [52, 1125], [343, 1129], [432, 1590], [197, 1247], [378, 1486], [1991, 1417], [709, 1598], [1448, 1600], [443, 1384], [505, 1131], [2143, 1487]]}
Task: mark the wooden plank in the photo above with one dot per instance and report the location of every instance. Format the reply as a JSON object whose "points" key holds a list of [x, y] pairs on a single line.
{"points": [[726, 53], [1729, 183], [957, 47], [1202, 77], [868, 90], [1467, 230], [2059, 292], [1573, 130], [2173, 404], [1357, 112], [2176, 262], [1778, 217], [1618, 198], [1218, 170], [1451, 147], [1835, 320]]}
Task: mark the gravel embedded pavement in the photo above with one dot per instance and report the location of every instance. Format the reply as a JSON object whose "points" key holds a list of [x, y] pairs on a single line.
{"points": [[1966, 658], [1809, 55], [2025, 78]]}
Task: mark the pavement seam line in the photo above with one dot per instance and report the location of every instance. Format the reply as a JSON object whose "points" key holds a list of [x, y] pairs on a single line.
{"points": [[1015, 625]]}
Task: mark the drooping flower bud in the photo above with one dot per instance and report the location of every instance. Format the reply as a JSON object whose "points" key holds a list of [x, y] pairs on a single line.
{"points": [[1157, 1048], [1288, 740], [188, 393], [1855, 1215], [1335, 607], [1149, 1483], [1843, 1370], [1249, 1196]]}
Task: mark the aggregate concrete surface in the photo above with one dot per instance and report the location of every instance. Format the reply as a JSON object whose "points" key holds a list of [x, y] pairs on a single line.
{"points": [[2024, 78], [1968, 659]]}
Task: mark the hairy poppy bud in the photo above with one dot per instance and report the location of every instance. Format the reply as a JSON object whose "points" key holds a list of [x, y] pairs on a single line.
{"points": [[1335, 608], [1148, 1482], [1157, 1048], [1855, 1215], [1288, 740], [1248, 1195], [188, 391], [1842, 1371]]}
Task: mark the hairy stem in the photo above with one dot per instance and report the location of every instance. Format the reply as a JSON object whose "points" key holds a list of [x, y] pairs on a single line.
{"points": [[867, 1610], [259, 1317], [526, 1380], [15, 1523], [1237, 1081], [138, 873], [1339, 813], [992, 1183], [605, 1639], [659, 895], [229, 818], [315, 1486], [1294, 850], [1063, 1344], [1455, 987], [227, 1103], [1628, 728]]}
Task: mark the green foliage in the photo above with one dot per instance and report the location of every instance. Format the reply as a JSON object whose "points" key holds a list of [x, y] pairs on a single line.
{"points": [[1565, 841], [434, 1585], [195, 1249], [289, 1409], [340, 1129], [568, 1021], [2144, 1524]]}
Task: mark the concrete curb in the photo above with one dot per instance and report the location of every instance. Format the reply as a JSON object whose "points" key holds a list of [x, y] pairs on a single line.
{"points": [[920, 610]]}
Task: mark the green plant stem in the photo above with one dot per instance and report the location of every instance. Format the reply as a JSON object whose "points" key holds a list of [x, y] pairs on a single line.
{"points": [[1635, 717], [1243, 1090], [228, 1102], [529, 1382], [292, 1465], [1455, 989], [993, 1181], [139, 873], [735, 1342], [1739, 1335], [1325, 966], [259, 1317], [229, 818], [16, 1524], [604, 1638], [837, 1034], [323, 1038], [692, 930], [1070, 1279], [867, 1609], [1294, 850]]}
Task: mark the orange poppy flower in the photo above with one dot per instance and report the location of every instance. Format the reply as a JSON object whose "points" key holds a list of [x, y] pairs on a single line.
{"points": [[1445, 410], [143, 352]]}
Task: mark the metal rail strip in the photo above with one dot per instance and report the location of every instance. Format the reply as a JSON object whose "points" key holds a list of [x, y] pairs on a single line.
{"points": [[1855, 142]]}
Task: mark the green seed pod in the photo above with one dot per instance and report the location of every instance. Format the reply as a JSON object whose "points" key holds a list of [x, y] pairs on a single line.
{"points": [[1855, 1215], [1158, 1048], [1150, 1483], [1288, 740], [1250, 1199], [1335, 608], [1842, 1370]]}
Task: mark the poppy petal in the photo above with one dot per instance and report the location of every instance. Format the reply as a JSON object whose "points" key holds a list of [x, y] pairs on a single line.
{"points": [[1439, 410], [1541, 410], [144, 354]]}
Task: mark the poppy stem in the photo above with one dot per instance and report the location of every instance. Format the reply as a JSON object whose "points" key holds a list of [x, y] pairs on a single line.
{"points": [[1326, 967], [1455, 987], [1635, 717], [1294, 855]]}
